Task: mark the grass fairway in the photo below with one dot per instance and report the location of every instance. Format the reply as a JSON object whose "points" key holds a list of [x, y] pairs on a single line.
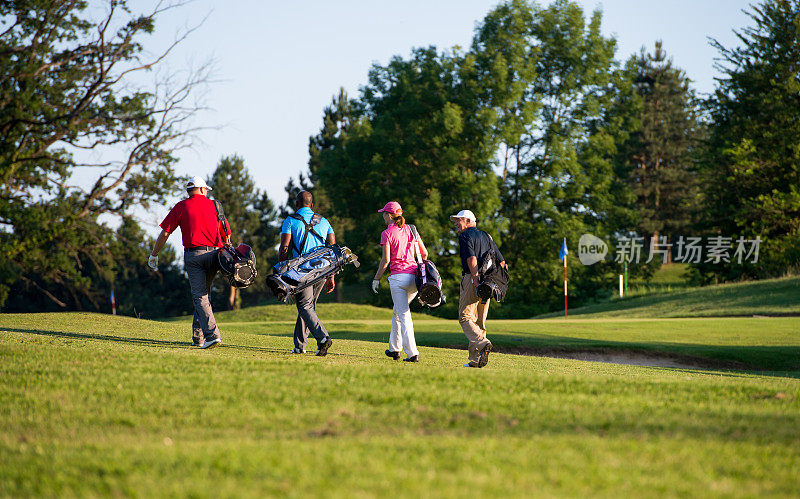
{"points": [[769, 297], [101, 405]]}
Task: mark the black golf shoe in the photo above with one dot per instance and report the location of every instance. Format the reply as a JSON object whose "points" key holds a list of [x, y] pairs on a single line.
{"points": [[483, 355], [322, 348]]}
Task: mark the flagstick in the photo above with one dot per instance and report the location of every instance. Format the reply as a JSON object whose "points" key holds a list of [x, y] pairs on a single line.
{"points": [[565, 286]]}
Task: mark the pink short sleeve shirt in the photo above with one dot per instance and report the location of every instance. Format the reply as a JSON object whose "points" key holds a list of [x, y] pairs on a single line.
{"points": [[401, 249]]}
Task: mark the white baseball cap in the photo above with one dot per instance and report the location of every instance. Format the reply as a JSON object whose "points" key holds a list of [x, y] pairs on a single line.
{"points": [[464, 214], [197, 182]]}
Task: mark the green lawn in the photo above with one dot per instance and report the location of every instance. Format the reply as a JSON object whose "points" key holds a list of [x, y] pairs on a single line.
{"points": [[767, 297], [666, 279], [673, 273], [101, 405], [724, 342], [281, 312]]}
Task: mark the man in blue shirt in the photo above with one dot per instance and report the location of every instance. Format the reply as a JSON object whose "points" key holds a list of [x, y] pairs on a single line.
{"points": [[302, 233]]}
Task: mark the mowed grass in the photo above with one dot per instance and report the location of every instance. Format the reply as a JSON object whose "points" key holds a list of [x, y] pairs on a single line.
{"points": [[744, 343], [768, 297], [283, 313], [100, 405]]}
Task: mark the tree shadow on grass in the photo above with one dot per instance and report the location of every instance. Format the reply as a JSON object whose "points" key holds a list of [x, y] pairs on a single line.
{"points": [[725, 360], [772, 361], [764, 360], [130, 340]]}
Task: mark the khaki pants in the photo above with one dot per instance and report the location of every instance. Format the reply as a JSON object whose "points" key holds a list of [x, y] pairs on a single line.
{"points": [[472, 317]]}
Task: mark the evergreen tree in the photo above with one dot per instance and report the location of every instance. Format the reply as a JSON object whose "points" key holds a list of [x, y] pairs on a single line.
{"points": [[139, 292], [752, 169], [252, 218], [659, 156], [335, 120], [265, 239]]}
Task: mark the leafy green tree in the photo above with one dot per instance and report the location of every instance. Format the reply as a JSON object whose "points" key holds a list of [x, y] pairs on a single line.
{"points": [[524, 129], [67, 104], [253, 220], [660, 154], [138, 291], [416, 136], [563, 109], [336, 119], [335, 123], [752, 169]]}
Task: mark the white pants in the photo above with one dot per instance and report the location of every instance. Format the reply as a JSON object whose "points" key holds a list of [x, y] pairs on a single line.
{"points": [[404, 289]]}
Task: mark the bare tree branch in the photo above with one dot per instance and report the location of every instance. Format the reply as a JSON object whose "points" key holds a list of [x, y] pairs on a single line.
{"points": [[48, 294], [68, 101]]}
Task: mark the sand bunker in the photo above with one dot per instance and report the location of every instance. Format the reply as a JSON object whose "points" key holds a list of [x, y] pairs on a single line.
{"points": [[627, 357]]}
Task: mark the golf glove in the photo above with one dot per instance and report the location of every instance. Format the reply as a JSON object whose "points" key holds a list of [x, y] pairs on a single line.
{"points": [[152, 262], [375, 284]]}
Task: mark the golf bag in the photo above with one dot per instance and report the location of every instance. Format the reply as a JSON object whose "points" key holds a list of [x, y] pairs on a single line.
{"points": [[294, 275], [493, 278], [238, 265], [429, 284], [428, 280]]}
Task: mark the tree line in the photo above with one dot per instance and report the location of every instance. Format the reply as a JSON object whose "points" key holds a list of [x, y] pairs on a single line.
{"points": [[537, 127], [542, 133]]}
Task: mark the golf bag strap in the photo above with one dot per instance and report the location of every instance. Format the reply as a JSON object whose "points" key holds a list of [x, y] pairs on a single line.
{"points": [[495, 250], [492, 254], [315, 219], [417, 252], [221, 219]]}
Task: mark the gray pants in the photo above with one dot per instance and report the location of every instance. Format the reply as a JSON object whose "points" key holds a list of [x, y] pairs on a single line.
{"points": [[201, 267], [307, 320]]}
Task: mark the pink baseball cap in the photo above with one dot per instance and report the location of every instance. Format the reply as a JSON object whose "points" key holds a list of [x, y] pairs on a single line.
{"points": [[392, 207]]}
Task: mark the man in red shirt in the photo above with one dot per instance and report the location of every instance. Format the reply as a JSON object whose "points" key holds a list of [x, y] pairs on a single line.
{"points": [[200, 231]]}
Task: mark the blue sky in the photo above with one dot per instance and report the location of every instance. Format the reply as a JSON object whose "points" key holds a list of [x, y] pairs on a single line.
{"points": [[279, 63]]}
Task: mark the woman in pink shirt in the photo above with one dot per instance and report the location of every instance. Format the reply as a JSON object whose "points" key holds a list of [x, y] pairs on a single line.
{"points": [[398, 245]]}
